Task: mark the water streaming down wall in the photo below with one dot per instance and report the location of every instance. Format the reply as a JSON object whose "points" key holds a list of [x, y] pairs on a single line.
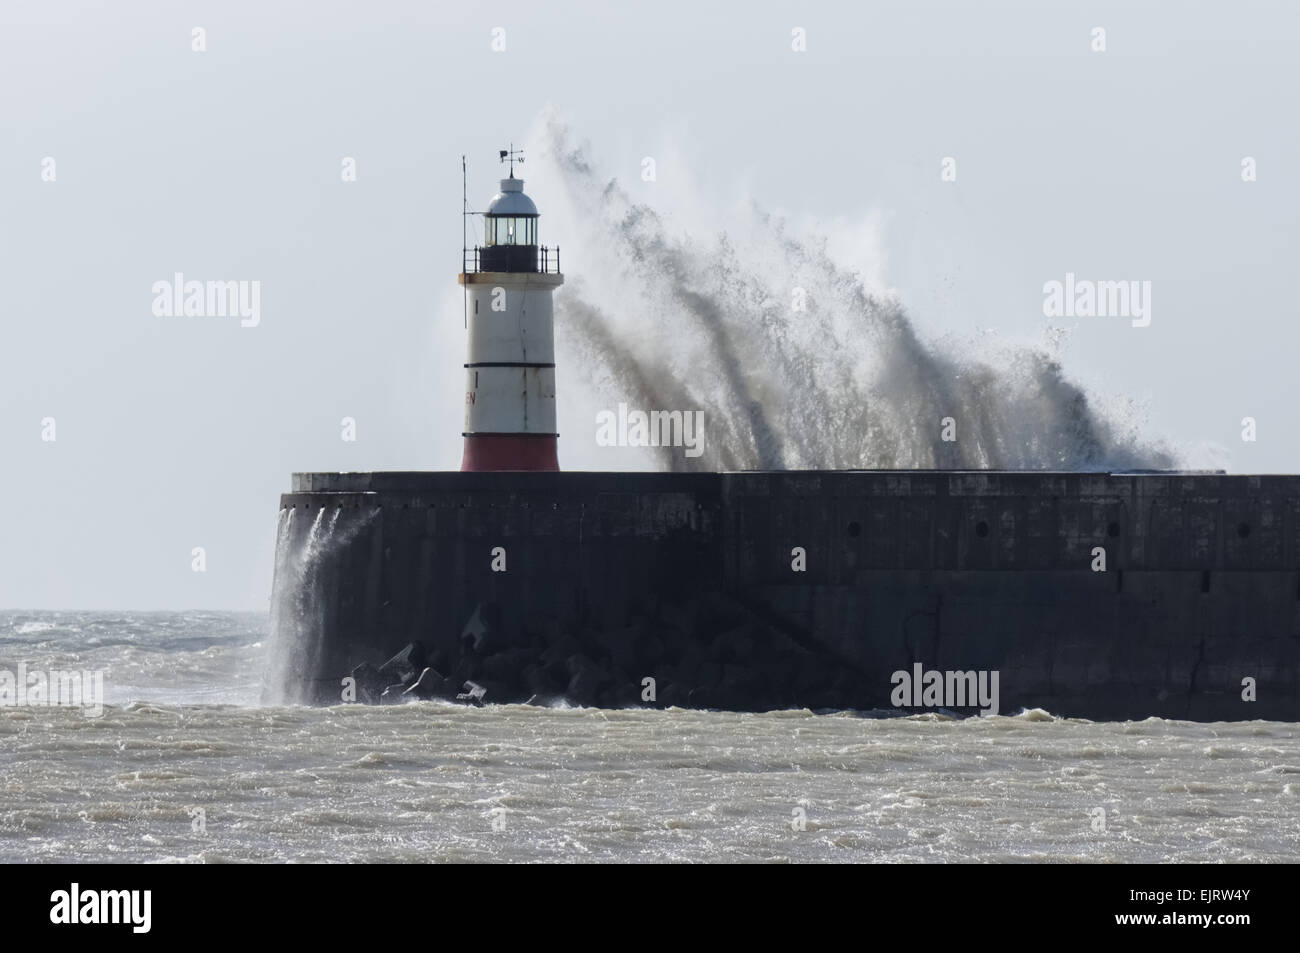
{"points": [[302, 597]]}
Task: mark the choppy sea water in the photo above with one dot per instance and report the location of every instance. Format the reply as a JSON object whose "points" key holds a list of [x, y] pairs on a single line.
{"points": [[184, 766]]}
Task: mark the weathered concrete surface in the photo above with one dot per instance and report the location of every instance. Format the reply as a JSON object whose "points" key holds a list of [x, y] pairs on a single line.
{"points": [[612, 578]]}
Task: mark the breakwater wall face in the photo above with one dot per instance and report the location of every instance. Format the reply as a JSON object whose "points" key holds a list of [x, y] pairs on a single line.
{"points": [[1088, 594]]}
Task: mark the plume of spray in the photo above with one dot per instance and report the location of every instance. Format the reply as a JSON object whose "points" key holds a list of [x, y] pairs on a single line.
{"points": [[794, 361], [300, 597]]}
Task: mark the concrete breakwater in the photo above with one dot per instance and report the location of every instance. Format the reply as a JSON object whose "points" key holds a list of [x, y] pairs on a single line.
{"points": [[1120, 595]]}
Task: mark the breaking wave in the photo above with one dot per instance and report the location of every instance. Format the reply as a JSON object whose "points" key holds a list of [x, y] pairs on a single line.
{"points": [[795, 362]]}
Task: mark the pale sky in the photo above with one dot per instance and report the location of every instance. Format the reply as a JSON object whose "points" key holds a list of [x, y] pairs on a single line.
{"points": [[173, 433]]}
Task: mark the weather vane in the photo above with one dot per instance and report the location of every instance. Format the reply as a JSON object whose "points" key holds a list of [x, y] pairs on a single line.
{"points": [[514, 155]]}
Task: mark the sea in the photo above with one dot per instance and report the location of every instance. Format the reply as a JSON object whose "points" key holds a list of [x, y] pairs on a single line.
{"points": [[183, 763]]}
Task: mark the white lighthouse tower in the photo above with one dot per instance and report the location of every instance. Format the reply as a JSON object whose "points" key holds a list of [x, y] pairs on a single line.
{"points": [[510, 373]]}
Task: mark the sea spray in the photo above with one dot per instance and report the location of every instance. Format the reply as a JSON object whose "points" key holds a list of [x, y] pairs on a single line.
{"points": [[794, 361], [300, 597]]}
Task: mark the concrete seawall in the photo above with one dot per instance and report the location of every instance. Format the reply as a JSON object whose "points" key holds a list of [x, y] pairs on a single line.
{"points": [[583, 585]]}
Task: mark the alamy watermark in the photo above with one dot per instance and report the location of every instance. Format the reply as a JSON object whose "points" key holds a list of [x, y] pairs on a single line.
{"points": [[52, 689], [936, 689], [1084, 298], [132, 908], [208, 299], [655, 428]]}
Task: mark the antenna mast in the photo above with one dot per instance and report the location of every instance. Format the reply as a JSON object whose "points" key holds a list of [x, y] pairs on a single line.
{"points": [[464, 238]]}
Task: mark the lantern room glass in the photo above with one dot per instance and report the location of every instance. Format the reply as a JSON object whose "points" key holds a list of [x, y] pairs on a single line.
{"points": [[510, 230]]}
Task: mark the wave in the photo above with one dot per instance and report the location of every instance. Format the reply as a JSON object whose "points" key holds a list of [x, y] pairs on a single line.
{"points": [[796, 363]]}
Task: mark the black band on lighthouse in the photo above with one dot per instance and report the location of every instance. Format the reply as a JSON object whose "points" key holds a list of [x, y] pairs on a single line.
{"points": [[506, 364]]}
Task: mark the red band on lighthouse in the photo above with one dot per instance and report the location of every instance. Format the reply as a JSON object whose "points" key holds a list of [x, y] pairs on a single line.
{"points": [[497, 451]]}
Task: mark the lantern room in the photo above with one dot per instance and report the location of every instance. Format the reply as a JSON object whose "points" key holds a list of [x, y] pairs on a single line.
{"points": [[509, 230]]}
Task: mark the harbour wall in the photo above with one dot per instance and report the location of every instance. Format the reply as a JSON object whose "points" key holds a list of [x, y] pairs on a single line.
{"points": [[1099, 595]]}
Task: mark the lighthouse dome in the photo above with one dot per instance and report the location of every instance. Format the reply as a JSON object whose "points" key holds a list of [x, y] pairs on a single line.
{"points": [[511, 199]]}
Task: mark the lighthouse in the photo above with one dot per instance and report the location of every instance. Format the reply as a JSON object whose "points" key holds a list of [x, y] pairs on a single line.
{"points": [[510, 373]]}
